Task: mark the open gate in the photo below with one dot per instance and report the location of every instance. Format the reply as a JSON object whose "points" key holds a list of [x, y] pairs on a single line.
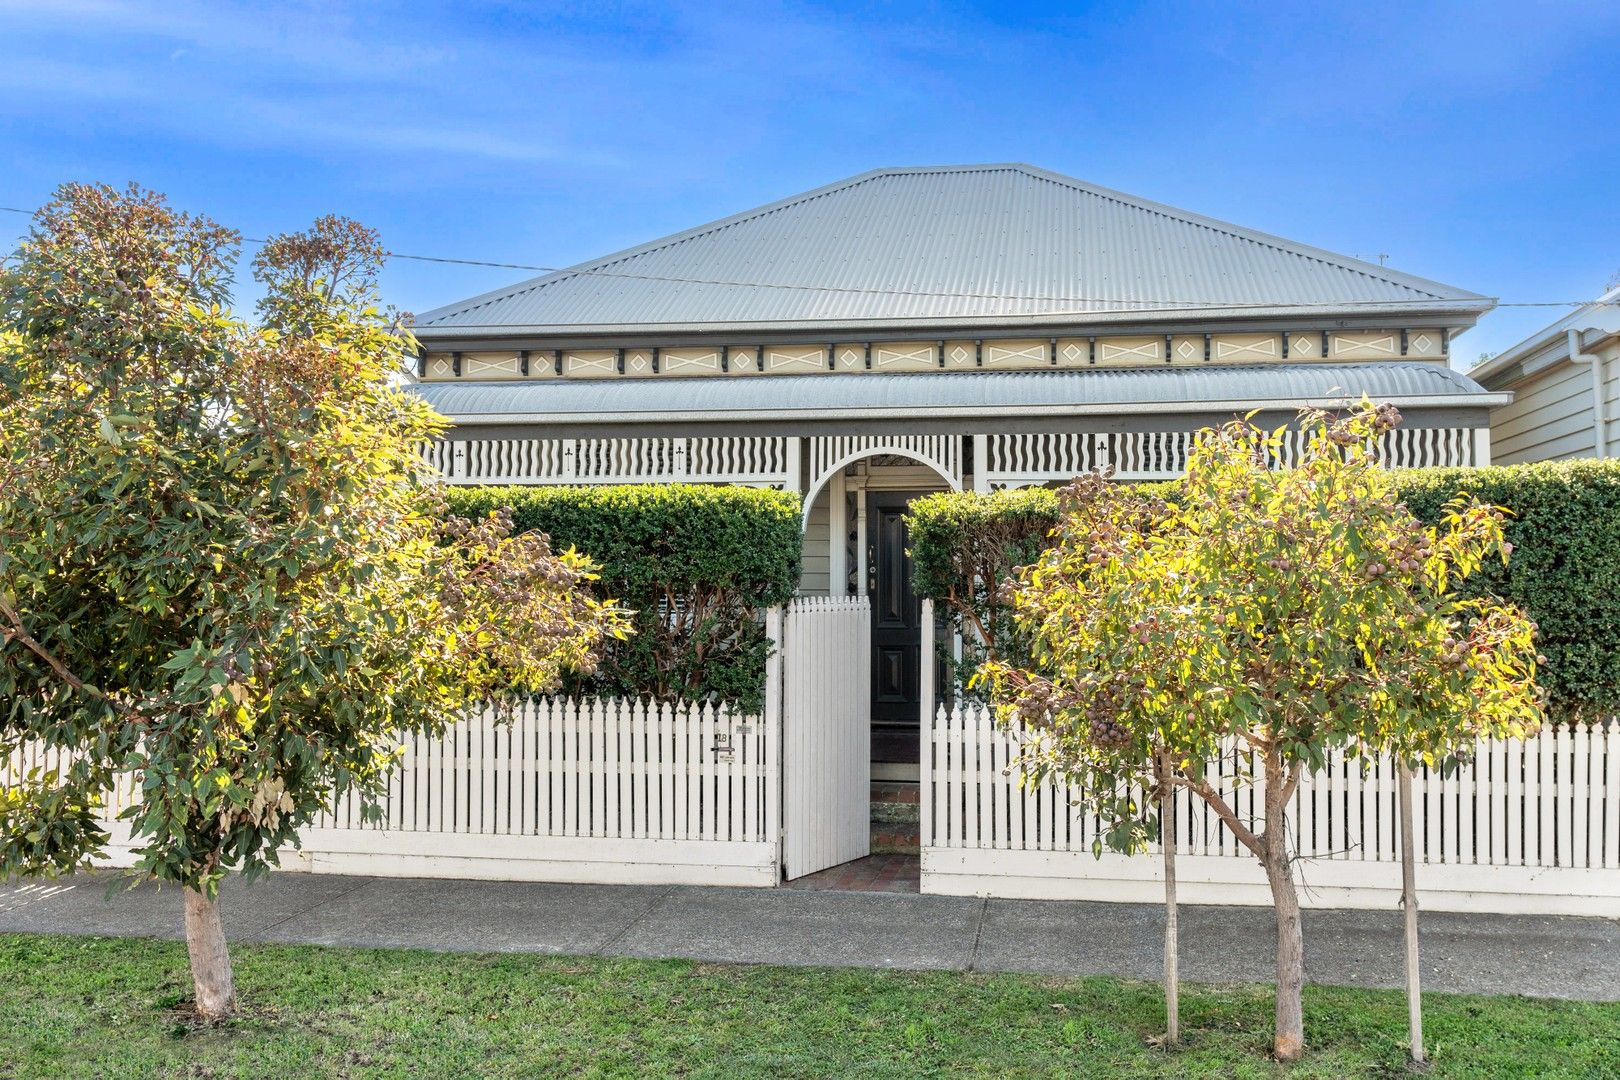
{"points": [[826, 733]]}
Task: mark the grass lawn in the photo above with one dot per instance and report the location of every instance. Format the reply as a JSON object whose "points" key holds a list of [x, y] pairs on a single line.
{"points": [[106, 1007]]}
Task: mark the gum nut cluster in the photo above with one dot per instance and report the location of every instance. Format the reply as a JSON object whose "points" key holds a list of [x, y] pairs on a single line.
{"points": [[1033, 705], [1106, 731], [1407, 555]]}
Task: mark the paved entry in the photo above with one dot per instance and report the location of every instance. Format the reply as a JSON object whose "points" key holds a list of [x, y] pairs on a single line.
{"points": [[826, 733]]}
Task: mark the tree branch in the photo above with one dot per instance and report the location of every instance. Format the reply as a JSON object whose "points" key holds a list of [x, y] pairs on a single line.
{"points": [[1202, 789], [1294, 773], [16, 631], [965, 609]]}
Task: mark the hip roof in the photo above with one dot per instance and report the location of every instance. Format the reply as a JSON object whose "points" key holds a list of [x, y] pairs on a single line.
{"points": [[965, 245]]}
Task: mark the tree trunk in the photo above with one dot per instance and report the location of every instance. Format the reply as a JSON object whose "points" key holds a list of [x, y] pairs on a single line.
{"points": [[1288, 1043], [210, 960], [1172, 974], [1414, 992]]}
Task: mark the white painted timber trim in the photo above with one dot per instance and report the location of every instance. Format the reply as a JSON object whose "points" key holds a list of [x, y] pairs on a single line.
{"points": [[1220, 879], [583, 859]]}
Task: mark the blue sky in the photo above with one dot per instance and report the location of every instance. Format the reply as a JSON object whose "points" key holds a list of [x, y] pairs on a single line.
{"points": [[1472, 143]]}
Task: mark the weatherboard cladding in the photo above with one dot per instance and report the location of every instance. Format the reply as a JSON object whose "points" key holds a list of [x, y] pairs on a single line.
{"points": [[921, 393], [995, 240]]}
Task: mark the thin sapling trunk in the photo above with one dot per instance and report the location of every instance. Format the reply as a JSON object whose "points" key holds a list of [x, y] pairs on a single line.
{"points": [[1414, 993], [1172, 975], [210, 959]]}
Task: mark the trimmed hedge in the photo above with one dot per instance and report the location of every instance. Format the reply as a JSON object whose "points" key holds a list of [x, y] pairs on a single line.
{"points": [[1565, 568], [697, 564], [964, 546]]}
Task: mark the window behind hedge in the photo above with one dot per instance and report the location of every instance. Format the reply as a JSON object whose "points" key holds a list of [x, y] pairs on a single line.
{"points": [[698, 564], [1565, 568]]}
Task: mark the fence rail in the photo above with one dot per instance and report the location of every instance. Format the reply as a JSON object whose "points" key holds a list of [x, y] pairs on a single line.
{"points": [[1537, 817]]}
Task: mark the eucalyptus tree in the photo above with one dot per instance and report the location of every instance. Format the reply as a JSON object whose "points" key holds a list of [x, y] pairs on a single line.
{"points": [[224, 581], [1266, 617]]}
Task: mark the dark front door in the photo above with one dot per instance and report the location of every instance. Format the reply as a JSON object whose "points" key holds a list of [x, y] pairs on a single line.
{"points": [[896, 629]]}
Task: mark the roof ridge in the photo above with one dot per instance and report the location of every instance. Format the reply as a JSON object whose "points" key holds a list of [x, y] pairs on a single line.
{"points": [[1426, 290]]}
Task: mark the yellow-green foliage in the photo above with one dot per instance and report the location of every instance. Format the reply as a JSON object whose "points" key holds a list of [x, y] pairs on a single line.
{"points": [[1296, 610]]}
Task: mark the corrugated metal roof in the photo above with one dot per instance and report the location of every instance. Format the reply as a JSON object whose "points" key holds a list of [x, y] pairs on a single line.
{"points": [[1024, 393], [952, 243]]}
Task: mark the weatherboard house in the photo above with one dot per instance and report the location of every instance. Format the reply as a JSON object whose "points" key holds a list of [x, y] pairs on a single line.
{"points": [[910, 330]]}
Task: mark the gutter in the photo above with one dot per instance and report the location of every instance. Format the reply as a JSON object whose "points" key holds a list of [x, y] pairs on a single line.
{"points": [[1489, 400], [1452, 314], [1600, 423]]}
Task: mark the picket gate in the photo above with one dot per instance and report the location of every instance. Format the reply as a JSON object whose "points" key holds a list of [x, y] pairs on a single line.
{"points": [[827, 733]]}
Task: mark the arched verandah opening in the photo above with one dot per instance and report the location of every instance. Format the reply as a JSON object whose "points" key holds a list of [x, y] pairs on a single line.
{"points": [[856, 544]]}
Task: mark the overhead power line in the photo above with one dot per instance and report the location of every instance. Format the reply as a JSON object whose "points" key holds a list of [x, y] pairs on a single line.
{"points": [[873, 291]]}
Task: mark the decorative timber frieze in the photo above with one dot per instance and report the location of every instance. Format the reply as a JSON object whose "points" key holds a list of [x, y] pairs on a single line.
{"points": [[858, 356]]}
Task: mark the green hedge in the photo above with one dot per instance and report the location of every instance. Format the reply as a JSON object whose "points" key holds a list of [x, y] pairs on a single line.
{"points": [[696, 563], [964, 546], [1565, 568]]}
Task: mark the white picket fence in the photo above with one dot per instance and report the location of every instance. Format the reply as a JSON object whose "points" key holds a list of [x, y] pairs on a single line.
{"points": [[1526, 826], [566, 790], [617, 791]]}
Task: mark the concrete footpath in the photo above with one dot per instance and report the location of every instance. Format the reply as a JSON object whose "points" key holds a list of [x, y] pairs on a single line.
{"points": [[1486, 954]]}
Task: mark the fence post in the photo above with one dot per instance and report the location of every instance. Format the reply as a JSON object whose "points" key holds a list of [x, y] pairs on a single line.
{"points": [[925, 724], [774, 773]]}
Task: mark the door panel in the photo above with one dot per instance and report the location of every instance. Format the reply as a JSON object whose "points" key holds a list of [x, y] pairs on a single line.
{"points": [[896, 630]]}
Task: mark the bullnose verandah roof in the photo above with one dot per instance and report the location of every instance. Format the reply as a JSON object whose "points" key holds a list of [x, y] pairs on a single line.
{"points": [[970, 245], [949, 394]]}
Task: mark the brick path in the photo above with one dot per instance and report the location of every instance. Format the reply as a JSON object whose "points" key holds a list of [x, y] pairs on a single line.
{"points": [[875, 873]]}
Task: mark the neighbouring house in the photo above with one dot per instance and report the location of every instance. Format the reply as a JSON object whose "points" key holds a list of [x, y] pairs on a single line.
{"points": [[1565, 382], [910, 330]]}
